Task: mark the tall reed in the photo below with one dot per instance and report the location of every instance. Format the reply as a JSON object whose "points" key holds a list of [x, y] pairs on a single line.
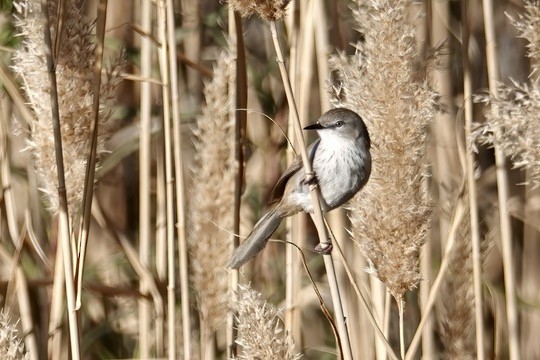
{"points": [[513, 115], [456, 303], [212, 199], [391, 214], [74, 68]]}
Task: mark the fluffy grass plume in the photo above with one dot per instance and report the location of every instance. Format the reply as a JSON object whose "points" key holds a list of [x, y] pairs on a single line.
{"points": [[513, 116], [11, 344], [456, 303], [213, 197], [391, 215], [270, 10], [74, 72], [261, 333]]}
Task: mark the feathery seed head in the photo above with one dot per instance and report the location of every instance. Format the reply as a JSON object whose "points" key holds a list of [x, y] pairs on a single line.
{"points": [[391, 215], [513, 115], [456, 305], [270, 10], [261, 334], [11, 345], [528, 25], [74, 72], [211, 218]]}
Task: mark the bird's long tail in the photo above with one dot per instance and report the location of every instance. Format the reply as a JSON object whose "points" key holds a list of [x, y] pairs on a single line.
{"points": [[256, 241]]}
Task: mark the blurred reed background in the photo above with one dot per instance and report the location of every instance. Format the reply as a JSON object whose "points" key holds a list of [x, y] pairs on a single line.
{"points": [[174, 120]]}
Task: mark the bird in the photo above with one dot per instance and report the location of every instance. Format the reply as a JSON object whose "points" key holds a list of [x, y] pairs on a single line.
{"points": [[341, 162]]}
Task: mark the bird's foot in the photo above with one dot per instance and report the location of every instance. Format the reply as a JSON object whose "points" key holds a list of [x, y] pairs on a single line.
{"points": [[324, 248], [310, 179]]}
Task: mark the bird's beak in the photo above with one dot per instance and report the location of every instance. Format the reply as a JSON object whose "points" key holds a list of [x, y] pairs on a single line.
{"points": [[315, 126]]}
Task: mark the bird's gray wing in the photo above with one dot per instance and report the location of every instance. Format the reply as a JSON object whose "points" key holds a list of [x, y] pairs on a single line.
{"points": [[279, 188]]}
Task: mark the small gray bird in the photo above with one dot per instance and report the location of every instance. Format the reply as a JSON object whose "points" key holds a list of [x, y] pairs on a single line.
{"points": [[342, 164]]}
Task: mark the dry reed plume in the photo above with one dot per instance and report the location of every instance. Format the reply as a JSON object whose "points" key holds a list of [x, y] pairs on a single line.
{"points": [[74, 71], [391, 214], [270, 10], [261, 334], [456, 304], [213, 197], [512, 118], [11, 344]]}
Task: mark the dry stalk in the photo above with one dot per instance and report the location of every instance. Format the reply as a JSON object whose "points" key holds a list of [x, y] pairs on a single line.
{"points": [[61, 109], [84, 226], [471, 186], [179, 182], [169, 178], [300, 74], [315, 195], [502, 189], [391, 216], [63, 215], [367, 308], [145, 172], [56, 307], [272, 11], [239, 87], [17, 276], [434, 292]]}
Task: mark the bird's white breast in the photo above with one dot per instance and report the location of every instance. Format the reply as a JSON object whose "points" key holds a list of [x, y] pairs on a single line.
{"points": [[339, 166]]}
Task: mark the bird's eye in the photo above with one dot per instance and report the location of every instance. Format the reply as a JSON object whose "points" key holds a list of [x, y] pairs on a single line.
{"points": [[339, 123]]}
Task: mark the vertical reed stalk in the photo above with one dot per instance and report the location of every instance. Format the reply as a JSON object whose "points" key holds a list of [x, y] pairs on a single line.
{"points": [[145, 172], [502, 189], [161, 228], [64, 229], [84, 226], [459, 213], [23, 303], [378, 291], [303, 76], [428, 344], [23, 298], [322, 47], [471, 185], [231, 332], [367, 308], [10, 87], [240, 89], [317, 213], [141, 270], [169, 178], [55, 314], [292, 262], [401, 308], [179, 181]]}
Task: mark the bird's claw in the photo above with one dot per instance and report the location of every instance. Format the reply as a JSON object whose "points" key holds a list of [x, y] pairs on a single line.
{"points": [[310, 179], [324, 249]]}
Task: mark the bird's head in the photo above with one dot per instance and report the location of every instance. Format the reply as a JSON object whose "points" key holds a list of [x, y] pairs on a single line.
{"points": [[341, 123]]}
